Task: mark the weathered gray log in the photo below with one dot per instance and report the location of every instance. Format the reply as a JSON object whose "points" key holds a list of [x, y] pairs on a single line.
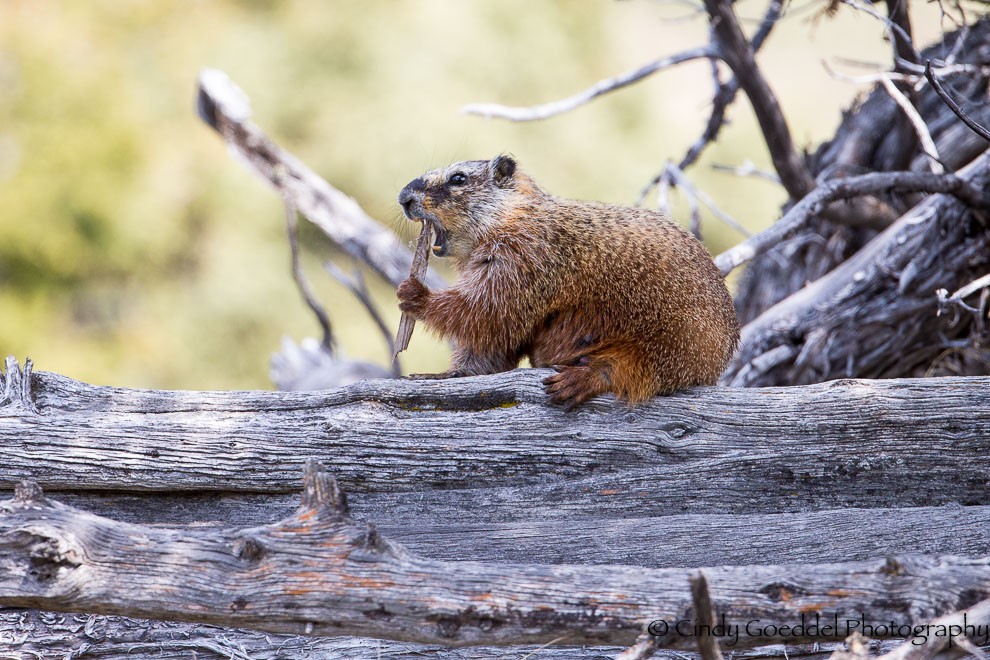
{"points": [[437, 525], [854, 443], [320, 573]]}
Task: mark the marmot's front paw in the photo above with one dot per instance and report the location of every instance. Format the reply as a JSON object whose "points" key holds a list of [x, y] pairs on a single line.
{"points": [[413, 296], [573, 385]]}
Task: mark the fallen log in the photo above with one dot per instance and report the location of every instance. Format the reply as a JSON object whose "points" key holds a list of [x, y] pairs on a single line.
{"points": [[691, 540], [734, 450], [320, 573]]}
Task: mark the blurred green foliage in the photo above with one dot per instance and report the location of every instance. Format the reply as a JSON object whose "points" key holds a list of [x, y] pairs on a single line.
{"points": [[134, 251]]}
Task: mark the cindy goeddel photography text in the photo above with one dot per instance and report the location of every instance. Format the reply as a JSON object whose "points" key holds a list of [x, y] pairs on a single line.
{"points": [[835, 627]]}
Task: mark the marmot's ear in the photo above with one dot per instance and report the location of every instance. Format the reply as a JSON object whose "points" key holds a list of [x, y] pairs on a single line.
{"points": [[502, 169]]}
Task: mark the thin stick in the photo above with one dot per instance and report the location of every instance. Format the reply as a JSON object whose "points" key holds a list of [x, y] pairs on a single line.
{"points": [[224, 107], [725, 93], [897, 13], [898, 34], [920, 128], [546, 110], [681, 180], [747, 169], [418, 270], [292, 230], [942, 94], [356, 285]]}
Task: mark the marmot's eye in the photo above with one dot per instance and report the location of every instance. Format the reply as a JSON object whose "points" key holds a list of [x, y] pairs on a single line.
{"points": [[457, 179]]}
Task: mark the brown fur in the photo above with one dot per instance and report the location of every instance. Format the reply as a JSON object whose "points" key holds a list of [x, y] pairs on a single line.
{"points": [[616, 299]]}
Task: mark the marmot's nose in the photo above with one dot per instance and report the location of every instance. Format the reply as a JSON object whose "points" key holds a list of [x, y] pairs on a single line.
{"points": [[406, 198], [408, 194]]}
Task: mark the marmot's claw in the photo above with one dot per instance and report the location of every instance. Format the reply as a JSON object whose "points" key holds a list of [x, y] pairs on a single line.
{"points": [[572, 386]]}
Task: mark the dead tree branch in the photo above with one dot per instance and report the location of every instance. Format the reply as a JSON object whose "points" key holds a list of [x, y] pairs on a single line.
{"points": [[921, 130], [952, 105], [224, 107], [292, 233], [494, 110], [837, 189], [320, 573], [737, 53], [725, 93], [359, 289], [875, 315], [904, 51], [863, 143]]}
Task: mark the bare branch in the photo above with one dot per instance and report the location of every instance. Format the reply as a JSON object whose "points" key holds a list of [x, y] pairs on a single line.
{"points": [[494, 110], [948, 100], [846, 188], [292, 231], [747, 168], [735, 50], [924, 137], [356, 285], [224, 107], [896, 32], [681, 180], [725, 93], [958, 298], [897, 13]]}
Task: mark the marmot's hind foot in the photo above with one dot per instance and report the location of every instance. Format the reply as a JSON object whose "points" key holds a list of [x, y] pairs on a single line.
{"points": [[573, 385]]}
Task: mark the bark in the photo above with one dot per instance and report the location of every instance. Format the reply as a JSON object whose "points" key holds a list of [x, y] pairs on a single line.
{"points": [[320, 573], [854, 443]]}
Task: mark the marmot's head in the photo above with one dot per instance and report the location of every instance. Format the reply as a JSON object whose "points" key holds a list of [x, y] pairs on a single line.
{"points": [[464, 201]]}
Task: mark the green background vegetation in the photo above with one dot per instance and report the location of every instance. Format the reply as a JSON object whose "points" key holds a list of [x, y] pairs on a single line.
{"points": [[134, 251]]}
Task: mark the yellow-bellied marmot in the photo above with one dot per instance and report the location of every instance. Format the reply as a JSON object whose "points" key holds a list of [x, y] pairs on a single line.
{"points": [[616, 299]]}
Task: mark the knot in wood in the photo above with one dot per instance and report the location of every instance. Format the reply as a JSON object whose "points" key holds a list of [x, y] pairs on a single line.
{"points": [[49, 557], [448, 627], [249, 549]]}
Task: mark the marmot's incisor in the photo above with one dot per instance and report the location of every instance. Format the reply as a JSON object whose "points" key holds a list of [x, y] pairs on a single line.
{"points": [[616, 299]]}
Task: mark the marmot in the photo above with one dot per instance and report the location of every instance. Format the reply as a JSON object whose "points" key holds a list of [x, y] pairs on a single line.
{"points": [[616, 299]]}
